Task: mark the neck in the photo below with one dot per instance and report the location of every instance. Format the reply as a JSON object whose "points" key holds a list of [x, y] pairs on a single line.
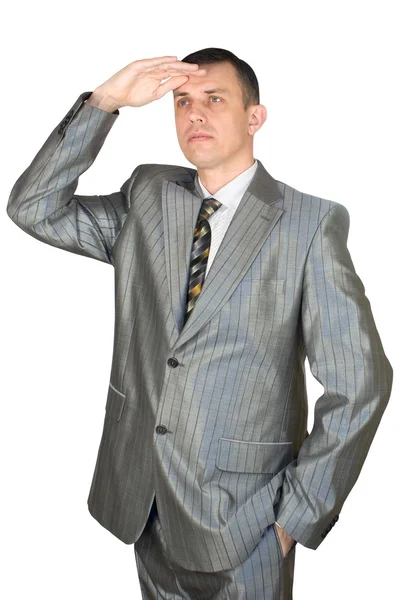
{"points": [[217, 177]]}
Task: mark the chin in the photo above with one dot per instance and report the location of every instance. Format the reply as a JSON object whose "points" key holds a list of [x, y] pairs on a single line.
{"points": [[200, 160]]}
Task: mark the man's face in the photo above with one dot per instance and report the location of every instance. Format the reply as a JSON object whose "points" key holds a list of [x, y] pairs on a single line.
{"points": [[213, 104]]}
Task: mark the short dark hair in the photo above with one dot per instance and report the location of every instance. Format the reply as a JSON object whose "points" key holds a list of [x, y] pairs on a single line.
{"points": [[245, 74]]}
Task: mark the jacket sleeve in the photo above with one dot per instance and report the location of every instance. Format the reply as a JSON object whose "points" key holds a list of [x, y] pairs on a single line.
{"points": [[42, 201], [346, 356]]}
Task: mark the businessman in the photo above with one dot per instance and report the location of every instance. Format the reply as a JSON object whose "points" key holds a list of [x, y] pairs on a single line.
{"points": [[226, 280]]}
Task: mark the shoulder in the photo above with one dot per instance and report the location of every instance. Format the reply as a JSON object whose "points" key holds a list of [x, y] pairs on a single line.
{"points": [[312, 207], [151, 176], [158, 172]]}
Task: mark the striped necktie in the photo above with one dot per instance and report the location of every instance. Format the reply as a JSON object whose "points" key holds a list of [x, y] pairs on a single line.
{"points": [[200, 253]]}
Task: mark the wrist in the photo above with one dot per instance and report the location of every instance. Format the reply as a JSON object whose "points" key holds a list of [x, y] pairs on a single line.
{"points": [[98, 99]]}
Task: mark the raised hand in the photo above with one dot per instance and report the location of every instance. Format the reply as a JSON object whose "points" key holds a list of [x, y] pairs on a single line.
{"points": [[140, 82]]}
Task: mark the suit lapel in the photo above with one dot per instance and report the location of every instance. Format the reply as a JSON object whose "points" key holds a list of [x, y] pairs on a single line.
{"points": [[251, 225]]}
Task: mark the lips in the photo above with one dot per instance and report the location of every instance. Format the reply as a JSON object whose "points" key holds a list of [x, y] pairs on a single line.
{"points": [[199, 136]]}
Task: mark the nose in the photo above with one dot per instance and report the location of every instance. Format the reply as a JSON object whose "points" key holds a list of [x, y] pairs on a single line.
{"points": [[196, 114]]}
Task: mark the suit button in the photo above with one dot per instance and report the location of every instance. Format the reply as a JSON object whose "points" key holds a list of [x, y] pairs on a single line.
{"points": [[161, 429], [324, 535], [336, 519], [172, 362]]}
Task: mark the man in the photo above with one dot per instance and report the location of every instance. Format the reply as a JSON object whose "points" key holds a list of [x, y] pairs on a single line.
{"points": [[226, 279]]}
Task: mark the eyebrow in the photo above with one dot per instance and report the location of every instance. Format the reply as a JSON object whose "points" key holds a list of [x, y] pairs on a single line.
{"points": [[215, 90]]}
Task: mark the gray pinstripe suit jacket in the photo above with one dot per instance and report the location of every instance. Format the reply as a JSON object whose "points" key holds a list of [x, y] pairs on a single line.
{"points": [[212, 416]]}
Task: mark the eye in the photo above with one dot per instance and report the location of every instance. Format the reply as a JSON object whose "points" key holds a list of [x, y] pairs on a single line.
{"points": [[218, 97]]}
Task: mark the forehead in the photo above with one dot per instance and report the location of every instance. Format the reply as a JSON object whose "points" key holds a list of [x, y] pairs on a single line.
{"points": [[219, 78]]}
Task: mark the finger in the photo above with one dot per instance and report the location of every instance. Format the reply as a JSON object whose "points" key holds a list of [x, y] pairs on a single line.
{"points": [[175, 65], [171, 72], [171, 84]]}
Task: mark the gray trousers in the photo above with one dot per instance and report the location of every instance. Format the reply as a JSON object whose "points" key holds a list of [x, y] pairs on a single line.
{"points": [[264, 575]]}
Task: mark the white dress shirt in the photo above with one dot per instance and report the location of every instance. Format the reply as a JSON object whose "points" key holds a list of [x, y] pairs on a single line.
{"points": [[230, 196]]}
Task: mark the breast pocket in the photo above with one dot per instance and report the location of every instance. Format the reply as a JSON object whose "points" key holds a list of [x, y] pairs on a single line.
{"points": [[268, 286], [253, 457], [254, 286]]}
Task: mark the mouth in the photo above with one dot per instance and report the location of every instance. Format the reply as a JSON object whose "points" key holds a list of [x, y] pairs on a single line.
{"points": [[201, 138]]}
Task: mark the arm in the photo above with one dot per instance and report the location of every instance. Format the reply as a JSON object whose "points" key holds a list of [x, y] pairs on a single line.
{"points": [[42, 201], [346, 356]]}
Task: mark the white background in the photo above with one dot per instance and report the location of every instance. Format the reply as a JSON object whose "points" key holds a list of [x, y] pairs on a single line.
{"points": [[329, 76]]}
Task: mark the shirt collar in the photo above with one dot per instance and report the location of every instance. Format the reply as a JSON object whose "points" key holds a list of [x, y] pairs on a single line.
{"points": [[231, 194]]}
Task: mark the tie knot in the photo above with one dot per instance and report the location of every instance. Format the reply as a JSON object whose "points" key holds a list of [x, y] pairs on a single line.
{"points": [[209, 206]]}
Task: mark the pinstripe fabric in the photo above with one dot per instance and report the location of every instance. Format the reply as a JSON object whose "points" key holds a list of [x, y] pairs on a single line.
{"points": [[264, 575], [230, 195], [211, 416]]}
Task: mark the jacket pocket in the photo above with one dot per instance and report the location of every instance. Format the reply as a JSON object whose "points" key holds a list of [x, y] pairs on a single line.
{"points": [[253, 457], [280, 548], [115, 403]]}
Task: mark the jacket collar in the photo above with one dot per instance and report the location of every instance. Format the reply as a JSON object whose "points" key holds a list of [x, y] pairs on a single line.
{"points": [[249, 228]]}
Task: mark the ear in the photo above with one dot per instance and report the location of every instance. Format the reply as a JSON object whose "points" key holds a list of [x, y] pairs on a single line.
{"points": [[257, 117]]}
